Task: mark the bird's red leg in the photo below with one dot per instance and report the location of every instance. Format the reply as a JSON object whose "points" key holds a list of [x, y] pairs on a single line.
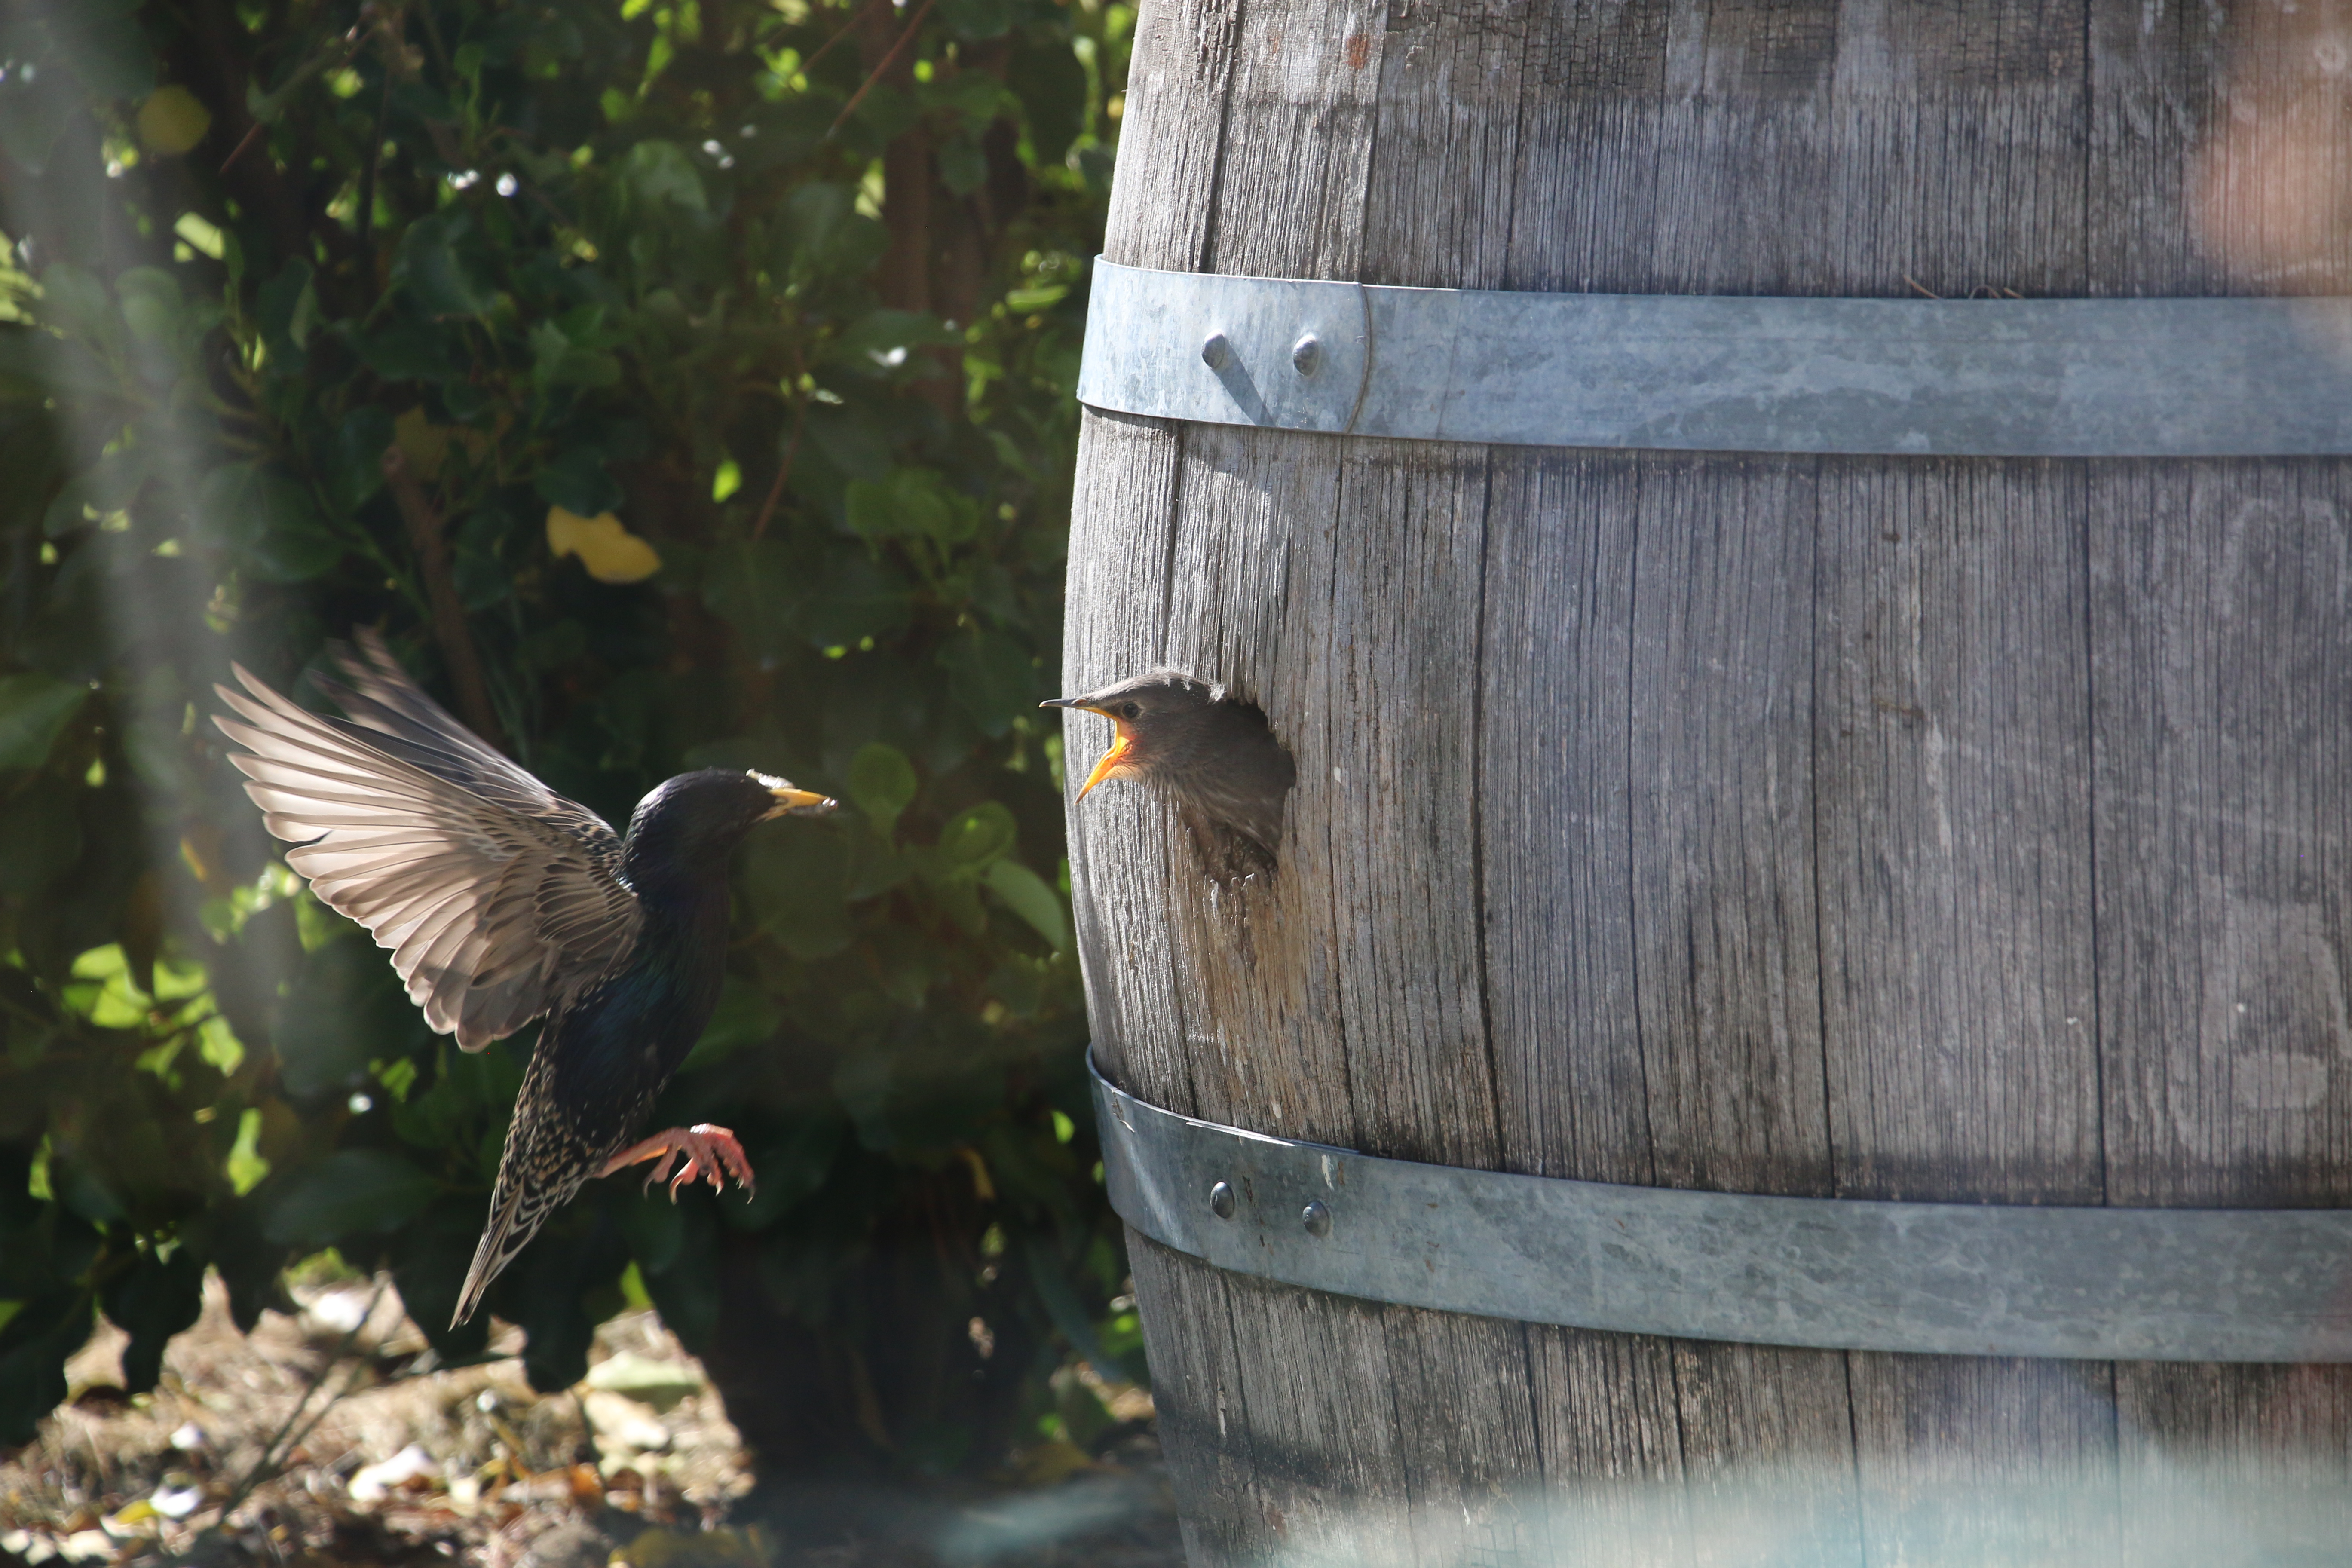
{"points": [[711, 1154]]}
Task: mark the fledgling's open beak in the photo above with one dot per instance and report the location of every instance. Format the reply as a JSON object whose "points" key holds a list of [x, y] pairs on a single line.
{"points": [[1121, 745], [793, 802]]}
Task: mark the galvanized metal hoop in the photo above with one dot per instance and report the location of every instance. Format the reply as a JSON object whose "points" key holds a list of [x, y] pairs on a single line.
{"points": [[2109, 1284], [2037, 378]]}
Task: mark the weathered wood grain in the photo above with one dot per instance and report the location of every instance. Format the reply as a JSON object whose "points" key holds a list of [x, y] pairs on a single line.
{"points": [[1254, 556], [1554, 812], [2222, 635], [1179, 75], [1721, 816], [1125, 491], [1866, 827], [1954, 792]]}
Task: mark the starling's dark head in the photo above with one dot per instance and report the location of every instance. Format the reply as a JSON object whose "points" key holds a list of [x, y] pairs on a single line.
{"points": [[1208, 749], [696, 820]]}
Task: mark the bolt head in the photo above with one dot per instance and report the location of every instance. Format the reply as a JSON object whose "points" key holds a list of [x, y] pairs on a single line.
{"points": [[1307, 354], [1216, 353], [1317, 1219], [1221, 1200]]}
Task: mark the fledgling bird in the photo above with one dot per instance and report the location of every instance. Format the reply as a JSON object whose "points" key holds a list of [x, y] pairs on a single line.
{"points": [[1211, 752], [502, 902]]}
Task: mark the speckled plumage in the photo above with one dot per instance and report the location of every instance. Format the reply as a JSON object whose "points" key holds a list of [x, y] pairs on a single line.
{"points": [[502, 902]]}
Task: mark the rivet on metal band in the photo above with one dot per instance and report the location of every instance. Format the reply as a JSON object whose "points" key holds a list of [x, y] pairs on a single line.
{"points": [[2196, 1285], [2038, 378]]}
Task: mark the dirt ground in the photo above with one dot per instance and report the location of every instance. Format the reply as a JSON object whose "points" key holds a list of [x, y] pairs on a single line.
{"points": [[321, 1439]]}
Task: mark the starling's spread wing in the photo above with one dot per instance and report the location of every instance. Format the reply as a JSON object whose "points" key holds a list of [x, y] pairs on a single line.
{"points": [[498, 898]]}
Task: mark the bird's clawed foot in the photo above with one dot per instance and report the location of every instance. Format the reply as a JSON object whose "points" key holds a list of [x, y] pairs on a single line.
{"points": [[711, 1154]]}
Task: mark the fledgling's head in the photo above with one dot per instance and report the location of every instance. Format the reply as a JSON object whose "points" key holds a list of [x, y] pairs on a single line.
{"points": [[696, 819], [1167, 726], [1210, 752]]}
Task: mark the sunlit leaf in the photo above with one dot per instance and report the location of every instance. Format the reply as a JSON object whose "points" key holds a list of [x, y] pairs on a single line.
{"points": [[610, 552], [978, 836], [881, 784], [1026, 895], [246, 1168], [173, 121]]}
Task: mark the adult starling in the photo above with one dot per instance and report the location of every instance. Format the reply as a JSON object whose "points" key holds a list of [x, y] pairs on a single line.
{"points": [[1210, 752], [503, 902]]}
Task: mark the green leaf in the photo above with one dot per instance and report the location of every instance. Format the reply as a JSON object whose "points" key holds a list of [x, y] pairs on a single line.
{"points": [[33, 115], [354, 465], [77, 304], [345, 1009], [1025, 894], [577, 482], [975, 19], [753, 584], [796, 879], [34, 711], [267, 520], [881, 784], [350, 1192], [746, 1016], [410, 350], [657, 174], [913, 503], [444, 280], [246, 1167], [855, 597], [992, 677], [980, 835], [1045, 75], [40, 837], [826, 237], [287, 311], [153, 305], [557, 360], [887, 346]]}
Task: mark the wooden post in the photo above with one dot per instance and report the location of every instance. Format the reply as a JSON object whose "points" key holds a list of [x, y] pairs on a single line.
{"points": [[1849, 827]]}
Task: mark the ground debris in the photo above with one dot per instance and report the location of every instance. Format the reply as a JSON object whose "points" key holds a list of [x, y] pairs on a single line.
{"points": [[408, 1465]]}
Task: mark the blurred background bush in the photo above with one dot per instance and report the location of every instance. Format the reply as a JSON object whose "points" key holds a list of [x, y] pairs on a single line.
{"points": [[677, 383]]}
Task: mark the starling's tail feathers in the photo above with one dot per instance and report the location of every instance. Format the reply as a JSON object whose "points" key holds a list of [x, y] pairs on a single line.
{"points": [[539, 1174], [515, 1218]]}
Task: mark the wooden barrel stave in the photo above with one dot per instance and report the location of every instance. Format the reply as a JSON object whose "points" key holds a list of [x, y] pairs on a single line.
{"points": [[1665, 820]]}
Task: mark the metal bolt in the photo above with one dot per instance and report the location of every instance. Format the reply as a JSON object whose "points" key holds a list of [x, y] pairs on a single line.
{"points": [[1307, 354], [1216, 353], [1221, 1200], [1317, 1219]]}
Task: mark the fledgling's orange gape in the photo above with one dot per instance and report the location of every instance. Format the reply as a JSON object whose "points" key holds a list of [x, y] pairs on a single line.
{"points": [[1211, 753]]}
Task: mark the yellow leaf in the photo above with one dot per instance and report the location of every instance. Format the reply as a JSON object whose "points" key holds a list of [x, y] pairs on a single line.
{"points": [[421, 442], [172, 121], [611, 553], [1054, 1460]]}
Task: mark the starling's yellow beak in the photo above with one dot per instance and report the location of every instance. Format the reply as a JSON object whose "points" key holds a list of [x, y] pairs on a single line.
{"points": [[791, 802], [1111, 760]]}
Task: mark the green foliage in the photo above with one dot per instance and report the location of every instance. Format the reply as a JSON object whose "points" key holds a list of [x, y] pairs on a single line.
{"points": [[314, 314]]}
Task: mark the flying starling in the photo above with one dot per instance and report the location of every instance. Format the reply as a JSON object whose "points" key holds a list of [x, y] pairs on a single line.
{"points": [[502, 902], [1210, 752]]}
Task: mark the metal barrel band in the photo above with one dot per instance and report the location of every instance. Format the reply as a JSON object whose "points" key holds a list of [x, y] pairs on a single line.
{"points": [[2029, 378], [2109, 1284]]}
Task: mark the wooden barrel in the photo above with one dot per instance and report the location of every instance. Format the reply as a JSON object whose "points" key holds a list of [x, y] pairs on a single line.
{"points": [[1966, 829]]}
